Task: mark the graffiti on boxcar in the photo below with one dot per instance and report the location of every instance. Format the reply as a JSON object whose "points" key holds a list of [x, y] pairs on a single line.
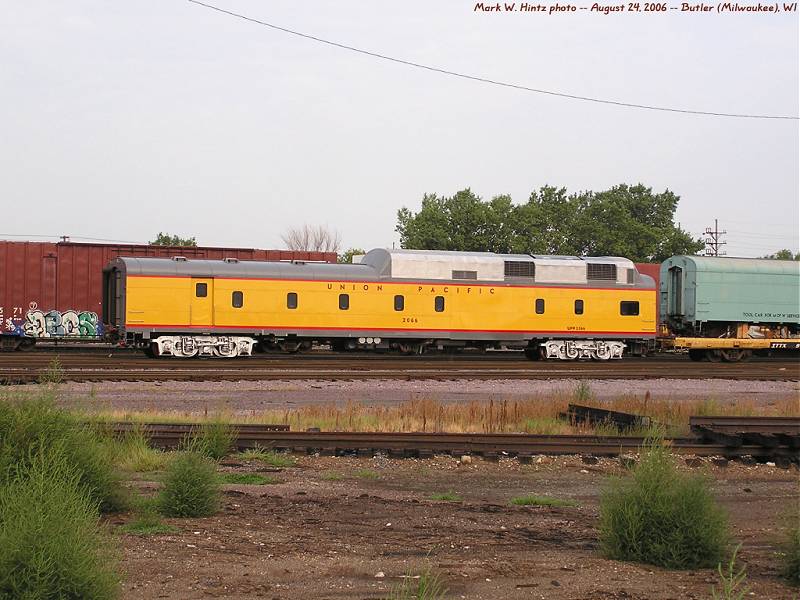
{"points": [[51, 323]]}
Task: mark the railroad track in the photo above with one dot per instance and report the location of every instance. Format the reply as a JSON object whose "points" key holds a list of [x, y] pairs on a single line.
{"points": [[30, 367], [489, 445]]}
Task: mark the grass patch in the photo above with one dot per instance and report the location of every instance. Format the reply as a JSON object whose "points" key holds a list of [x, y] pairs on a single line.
{"points": [[50, 543], [661, 516], [247, 479], [147, 524], [332, 476], [425, 586], [367, 474], [532, 500], [30, 425], [214, 440], [270, 457], [191, 487], [791, 553], [446, 497]]}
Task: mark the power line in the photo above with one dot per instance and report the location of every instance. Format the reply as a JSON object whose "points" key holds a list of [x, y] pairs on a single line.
{"points": [[484, 79]]}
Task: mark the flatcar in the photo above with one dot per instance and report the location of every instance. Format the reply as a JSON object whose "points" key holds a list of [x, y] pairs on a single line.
{"points": [[722, 308], [562, 307]]}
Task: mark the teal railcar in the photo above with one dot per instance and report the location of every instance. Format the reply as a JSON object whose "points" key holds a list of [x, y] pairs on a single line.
{"points": [[730, 297]]}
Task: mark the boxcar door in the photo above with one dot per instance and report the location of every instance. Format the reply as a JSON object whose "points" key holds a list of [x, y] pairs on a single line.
{"points": [[202, 305]]}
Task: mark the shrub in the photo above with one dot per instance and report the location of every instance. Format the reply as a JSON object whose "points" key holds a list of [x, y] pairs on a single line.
{"points": [[530, 500], [660, 516], [214, 440], [191, 487], [28, 424], [50, 542], [791, 554]]}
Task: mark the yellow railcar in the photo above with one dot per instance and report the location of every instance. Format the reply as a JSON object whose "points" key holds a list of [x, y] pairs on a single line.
{"points": [[559, 307]]}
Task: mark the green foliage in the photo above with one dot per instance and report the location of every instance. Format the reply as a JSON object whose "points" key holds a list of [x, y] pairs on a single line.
{"points": [[425, 586], [27, 424], [531, 500], [791, 553], [629, 221], [191, 487], [53, 375], [446, 497], [583, 393], [165, 239], [332, 476], [784, 254], [346, 257], [731, 582], [247, 479], [214, 440], [661, 516], [367, 474], [270, 457], [133, 453], [50, 542]]}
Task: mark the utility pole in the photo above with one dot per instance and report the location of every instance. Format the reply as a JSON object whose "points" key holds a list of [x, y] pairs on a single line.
{"points": [[712, 240]]}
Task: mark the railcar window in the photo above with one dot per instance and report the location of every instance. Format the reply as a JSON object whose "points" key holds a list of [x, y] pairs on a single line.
{"points": [[628, 308], [438, 303], [578, 307], [399, 302], [237, 299], [539, 305], [344, 301], [201, 290], [291, 300]]}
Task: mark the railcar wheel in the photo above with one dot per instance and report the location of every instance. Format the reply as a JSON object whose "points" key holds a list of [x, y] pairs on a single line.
{"points": [[26, 344], [713, 356], [697, 355], [534, 353], [734, 355]]}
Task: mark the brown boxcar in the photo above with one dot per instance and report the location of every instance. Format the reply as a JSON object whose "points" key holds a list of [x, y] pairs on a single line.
{"points": [[54, 290]]}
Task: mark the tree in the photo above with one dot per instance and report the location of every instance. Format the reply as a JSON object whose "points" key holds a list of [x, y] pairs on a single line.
{"points": [[165, 239], [784, 254], [346, 257], [629, 221], [312, 238]]}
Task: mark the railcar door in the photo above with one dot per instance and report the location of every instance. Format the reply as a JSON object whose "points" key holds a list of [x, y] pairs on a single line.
{"points": [[202, 303]]}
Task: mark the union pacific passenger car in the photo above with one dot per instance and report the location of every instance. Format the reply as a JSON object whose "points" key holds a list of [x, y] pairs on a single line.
{"points": [[407, 300]]}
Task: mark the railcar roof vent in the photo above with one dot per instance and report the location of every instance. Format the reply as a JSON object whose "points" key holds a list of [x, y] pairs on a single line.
{"points": [[179, 258], [601, 272], [231, 260]]}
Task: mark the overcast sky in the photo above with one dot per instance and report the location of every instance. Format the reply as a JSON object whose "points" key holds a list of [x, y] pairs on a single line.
{"points": [[122, 119]]}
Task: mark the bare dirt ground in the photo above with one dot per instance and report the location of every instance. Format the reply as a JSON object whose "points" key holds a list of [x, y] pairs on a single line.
{"points": [[252, 397], [336, 528]]}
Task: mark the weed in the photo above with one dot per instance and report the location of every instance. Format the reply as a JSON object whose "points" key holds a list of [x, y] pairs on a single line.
{"points": [[270, 457], [367, 474], [30, 423], [583, 393], [133, 453], [247, 479], [191, 487], [732, 583], [332, 476], [531, 500], [446, 497], [148, 523], [50, 542], [53, 375], [791, 553], [214, 440], [425, 586], [661, 516]]}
